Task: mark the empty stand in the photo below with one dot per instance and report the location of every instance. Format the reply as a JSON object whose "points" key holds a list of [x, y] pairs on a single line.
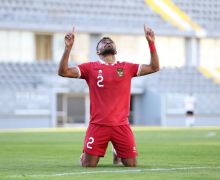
{"points": [[181, 80], [89, 15], [204, 12], [175, 80]]}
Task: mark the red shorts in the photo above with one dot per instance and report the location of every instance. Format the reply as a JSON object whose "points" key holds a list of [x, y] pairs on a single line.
{"points": [[98, 136]]}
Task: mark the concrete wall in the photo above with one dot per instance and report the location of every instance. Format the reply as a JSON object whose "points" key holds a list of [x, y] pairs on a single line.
{"points": [[179, 120], [13, 122], [147, 110]]}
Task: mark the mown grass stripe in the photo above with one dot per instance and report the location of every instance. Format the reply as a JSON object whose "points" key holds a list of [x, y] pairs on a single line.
{"points": [[112, 171]]}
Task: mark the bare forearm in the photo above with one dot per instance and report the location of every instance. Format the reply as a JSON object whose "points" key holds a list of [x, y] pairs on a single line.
{"points": [[154, 62], [63, 67], [64, 70]]}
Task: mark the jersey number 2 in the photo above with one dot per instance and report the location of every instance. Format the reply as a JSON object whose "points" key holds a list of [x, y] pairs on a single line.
{"points": [[91, 140], [100, 80]]}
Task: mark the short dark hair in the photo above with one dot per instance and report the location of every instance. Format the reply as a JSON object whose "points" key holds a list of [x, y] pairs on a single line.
{"points": [[103, 39]]}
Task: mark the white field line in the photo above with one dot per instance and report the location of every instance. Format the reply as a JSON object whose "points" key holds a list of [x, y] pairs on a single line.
{"points": [[111, 171]]}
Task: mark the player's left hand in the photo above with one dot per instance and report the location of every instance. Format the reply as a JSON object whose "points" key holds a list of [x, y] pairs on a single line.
{"points": [[149, 34]]}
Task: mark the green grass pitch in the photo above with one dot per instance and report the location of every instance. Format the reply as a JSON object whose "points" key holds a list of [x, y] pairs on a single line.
{"points": [[168, 154]]}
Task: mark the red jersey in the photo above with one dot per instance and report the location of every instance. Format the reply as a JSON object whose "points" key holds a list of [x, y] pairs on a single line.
{"points": [[109, 90]]}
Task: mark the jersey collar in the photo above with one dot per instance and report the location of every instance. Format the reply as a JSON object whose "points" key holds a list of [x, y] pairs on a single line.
{"points": [[103, 62]]}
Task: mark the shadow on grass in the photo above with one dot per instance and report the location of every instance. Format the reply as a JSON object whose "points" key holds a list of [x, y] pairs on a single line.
{"points": [[104, 166]]}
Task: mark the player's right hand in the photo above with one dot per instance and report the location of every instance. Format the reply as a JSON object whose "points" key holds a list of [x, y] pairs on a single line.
{"points": [[69, 38]]}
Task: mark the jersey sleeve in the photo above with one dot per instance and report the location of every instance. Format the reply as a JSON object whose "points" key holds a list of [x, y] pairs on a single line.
{"points": [[84, 70], [134, 69]]}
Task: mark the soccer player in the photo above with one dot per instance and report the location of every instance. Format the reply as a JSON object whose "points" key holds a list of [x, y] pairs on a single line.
{"points": [[190, 102], [109, 84]]}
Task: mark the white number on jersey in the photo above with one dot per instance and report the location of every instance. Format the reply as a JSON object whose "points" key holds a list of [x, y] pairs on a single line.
{"points": [[91, 140], [100, 80]]}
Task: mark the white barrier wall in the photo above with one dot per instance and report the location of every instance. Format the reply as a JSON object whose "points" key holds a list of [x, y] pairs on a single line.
{"points": [[25, 109], [135, 49], [17, 46], [207, 111], [80, 51], [209, 52]]}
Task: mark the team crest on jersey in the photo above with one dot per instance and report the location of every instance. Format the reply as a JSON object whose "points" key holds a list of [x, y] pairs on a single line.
{"points": [[120, 72], [100, 71]]}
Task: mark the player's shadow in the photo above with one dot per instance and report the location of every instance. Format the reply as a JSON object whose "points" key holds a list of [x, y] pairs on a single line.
{"points": [[109, 166], [119, 166], [103, 166]]}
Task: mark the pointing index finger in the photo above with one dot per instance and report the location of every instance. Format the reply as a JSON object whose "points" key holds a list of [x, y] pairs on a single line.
{"points": [[73, 30], [145, 28]]}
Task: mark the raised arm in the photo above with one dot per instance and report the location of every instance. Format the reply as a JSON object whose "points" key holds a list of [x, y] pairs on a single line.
{"points": [[64, 70], [154, 61]]}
